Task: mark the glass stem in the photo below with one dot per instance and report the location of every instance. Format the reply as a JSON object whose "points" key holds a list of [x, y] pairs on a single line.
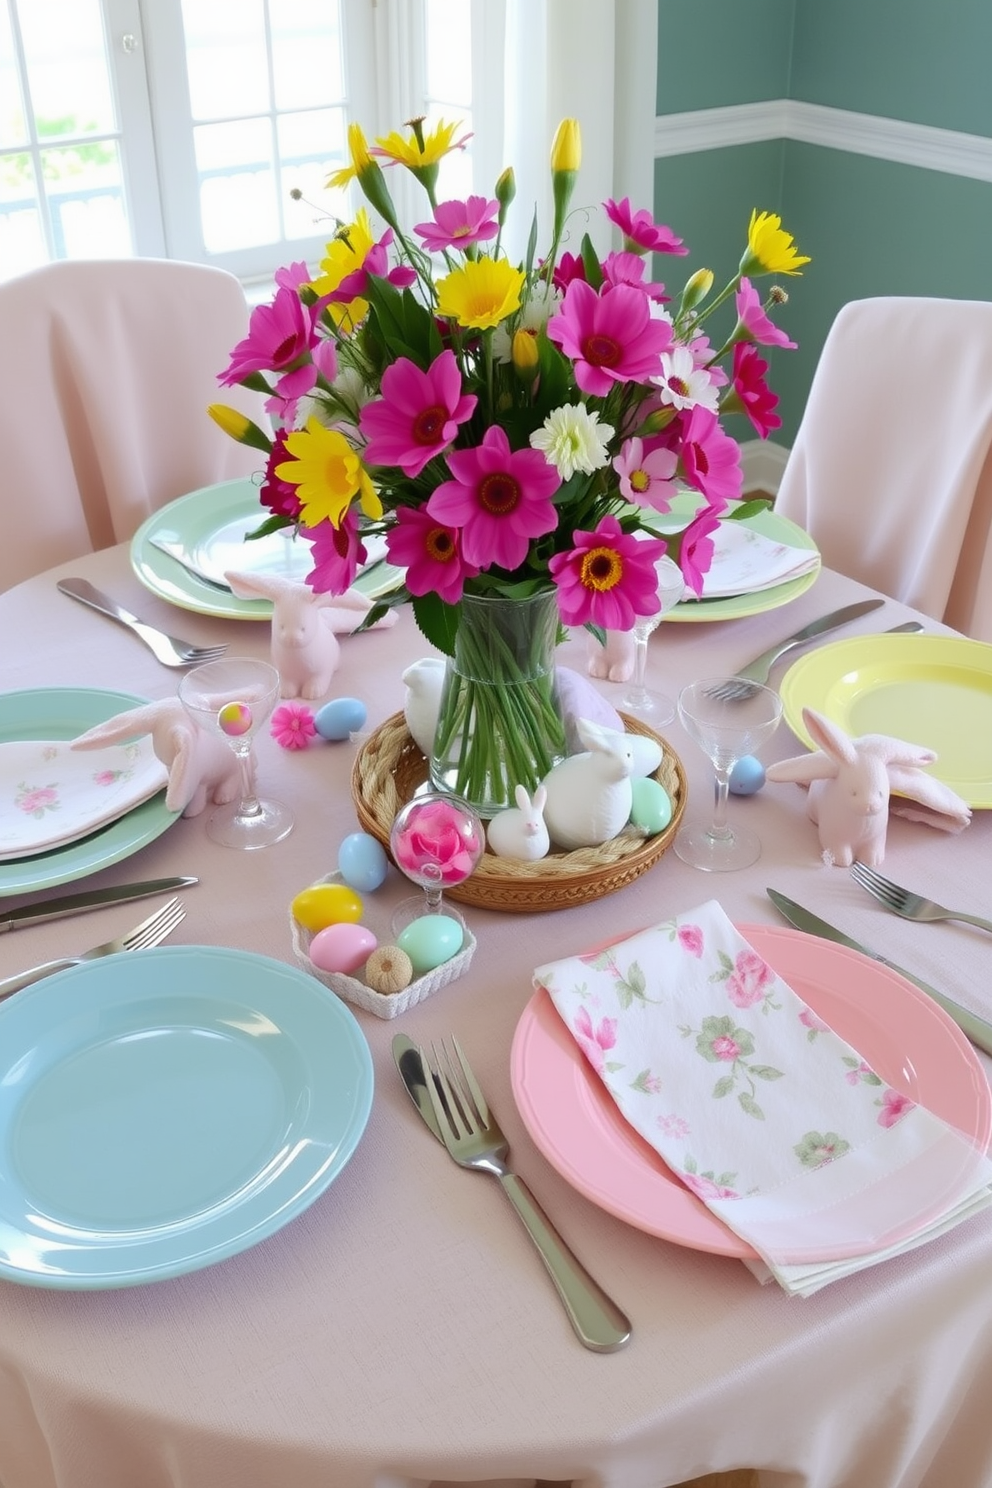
{"points": [[250, 804], [638, 692], [432, 888], [721, 792]]}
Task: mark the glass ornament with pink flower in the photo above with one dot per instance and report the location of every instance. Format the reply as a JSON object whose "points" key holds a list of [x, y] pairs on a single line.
{"points": [[436, 840]]}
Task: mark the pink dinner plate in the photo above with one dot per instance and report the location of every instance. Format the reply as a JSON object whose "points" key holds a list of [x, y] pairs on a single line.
{"points": [[907, 1039]]}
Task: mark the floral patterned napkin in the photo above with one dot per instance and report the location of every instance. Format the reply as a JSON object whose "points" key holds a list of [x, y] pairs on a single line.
{"points": [[51, 795], [771, 1118], [746, 561]]}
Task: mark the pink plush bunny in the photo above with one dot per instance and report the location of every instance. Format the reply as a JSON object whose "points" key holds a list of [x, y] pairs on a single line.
{"points": [[614, 661], [305, 628], [203, 768], [850, 781]]}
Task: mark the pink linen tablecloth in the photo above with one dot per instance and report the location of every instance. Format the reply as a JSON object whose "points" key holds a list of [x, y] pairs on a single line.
{"points": [[401, 1330]]}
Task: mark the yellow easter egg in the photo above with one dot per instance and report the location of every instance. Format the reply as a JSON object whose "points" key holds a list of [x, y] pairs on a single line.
{"points": [[326, 904]]}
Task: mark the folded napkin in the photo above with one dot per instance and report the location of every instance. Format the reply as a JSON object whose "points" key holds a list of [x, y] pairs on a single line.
{"points": [[765, 1113], [746, 561], [50, 796]]}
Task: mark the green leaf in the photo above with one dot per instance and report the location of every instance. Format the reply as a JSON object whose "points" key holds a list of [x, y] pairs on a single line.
{"points": [[406, 326], [590, 262], [723, 1086], [764, 1072], [749, 508], [750, 1105], [271, 524], [436, 621]]}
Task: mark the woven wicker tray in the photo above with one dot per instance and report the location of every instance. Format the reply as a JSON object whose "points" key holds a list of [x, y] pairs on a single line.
{"points": [[389, 768]]}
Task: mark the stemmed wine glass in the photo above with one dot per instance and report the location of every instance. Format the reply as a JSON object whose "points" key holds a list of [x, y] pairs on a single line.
{"points": [[653, 707], [727, 724], [436, 840], [233, 697]]}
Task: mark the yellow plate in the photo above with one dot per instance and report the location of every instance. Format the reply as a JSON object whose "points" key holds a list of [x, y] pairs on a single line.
{"points": [[932, 690]]}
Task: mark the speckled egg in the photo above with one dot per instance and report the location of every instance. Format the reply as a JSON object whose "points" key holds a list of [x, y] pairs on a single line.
{"points": [[650, 807], [747, 776], [340, 718], [431, 940], [342, 948], [326, 904], [362, 862]]}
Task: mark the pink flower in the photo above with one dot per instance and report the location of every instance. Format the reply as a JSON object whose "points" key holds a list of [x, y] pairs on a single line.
{"points": [[710, 458], [749, 979], [292, 726], [431, 554], [696, 550], [282, 338], [568, 267], [854, 1076], [809, 1020], [37, 800], [705, 1188], [278, 495], [641, 234], [594, 1042], [500, 498], [337, 553], [436, 834], [458, 223], [691, 939], [647, 479], [726, 1048], [105, 777], [753, 393], [894, 1107], [674, 1126], [627, 268], [608, 578], [418, 414], [752, 321], [356, 284], [610, 338]]}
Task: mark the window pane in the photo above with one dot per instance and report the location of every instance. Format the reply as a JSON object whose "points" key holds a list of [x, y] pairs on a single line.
{"points": [[449, 54], [67, 66], [237, 185], [226, 57], [306, 53], [13, 129], [86, 201], [22, 237], [311, 146]]}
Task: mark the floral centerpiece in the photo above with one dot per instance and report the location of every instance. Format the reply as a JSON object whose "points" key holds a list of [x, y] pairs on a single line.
{"points": [[513, 428]]}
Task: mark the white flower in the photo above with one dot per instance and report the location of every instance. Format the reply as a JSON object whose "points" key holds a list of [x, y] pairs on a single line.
{"points": [[353, 393], [682, 383], [543, 302], [573, 439]]}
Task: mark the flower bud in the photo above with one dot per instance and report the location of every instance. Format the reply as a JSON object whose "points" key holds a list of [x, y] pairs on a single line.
{"points": [[504, 191], [696, 289], [525, 356], [238, 427], [566, 148]]}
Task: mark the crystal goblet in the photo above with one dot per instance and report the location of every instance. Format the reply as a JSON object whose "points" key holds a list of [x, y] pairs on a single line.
{"points": [[726, 726], [233, 697], [654, 708], [436, 840]]}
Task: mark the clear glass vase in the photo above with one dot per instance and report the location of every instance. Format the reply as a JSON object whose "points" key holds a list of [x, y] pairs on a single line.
{"points": [[500, 722]]}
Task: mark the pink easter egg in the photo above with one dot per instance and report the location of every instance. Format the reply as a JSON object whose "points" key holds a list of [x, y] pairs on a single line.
{"points": [[342, 947], [234, 719]]}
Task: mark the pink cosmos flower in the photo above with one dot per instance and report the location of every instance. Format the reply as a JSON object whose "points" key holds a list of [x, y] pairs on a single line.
{"points": [[337, 553], [418, 414], [279, 336], [501, 498], [293, 726], [610, 338], [628, 268], [756, 397], [594, 1042], [458, 223], [278, 495], [749, 979], [647, 479], [690, 938], [705, 1188], [437, 834], [894, 1107], [568, 267], [608, 578], [710, 458], [641, 234], [696, 550], [431, 554], [292, 276], [753, 322], [355, 285]]}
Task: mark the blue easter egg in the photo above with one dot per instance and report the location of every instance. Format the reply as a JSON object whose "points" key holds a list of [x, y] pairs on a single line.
{"points": [[362, 862], [747, 776], [430, 940], [340, 718]]}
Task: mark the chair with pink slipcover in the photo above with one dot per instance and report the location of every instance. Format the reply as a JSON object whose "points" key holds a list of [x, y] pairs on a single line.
{"points": [[891, 470], [107, 370]]}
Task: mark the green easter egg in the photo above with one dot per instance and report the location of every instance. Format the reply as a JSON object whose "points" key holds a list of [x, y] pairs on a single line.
{"points": [[651, 809]]}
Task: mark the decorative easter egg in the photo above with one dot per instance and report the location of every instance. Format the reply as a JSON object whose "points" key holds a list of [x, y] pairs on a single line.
{"points": [[342, 948], [362, 862], [326, 904], [651, 806], [431, 940], [234, 719], [340, 718], [747, 776]]}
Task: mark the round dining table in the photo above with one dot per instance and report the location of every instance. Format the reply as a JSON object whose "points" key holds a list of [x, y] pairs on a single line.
{"points": [[401, 1330]]}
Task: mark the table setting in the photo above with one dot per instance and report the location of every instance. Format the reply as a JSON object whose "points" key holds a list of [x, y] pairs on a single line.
{"points": [[238, 1244]]}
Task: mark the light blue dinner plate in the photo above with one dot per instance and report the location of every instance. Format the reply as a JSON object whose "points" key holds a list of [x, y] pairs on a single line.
{"points": [[162, 1110], [62, 713]]}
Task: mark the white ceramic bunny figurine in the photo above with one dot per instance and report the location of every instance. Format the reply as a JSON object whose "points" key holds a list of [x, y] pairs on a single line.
{"points": [[520, 831], [305, 628], [424, 680], [589, 795], [850, 781], [203, 768]]}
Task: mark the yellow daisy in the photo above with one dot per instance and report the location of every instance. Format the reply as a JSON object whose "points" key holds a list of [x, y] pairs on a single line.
{"points": [[328, 475], [481, 294], [360, 159], [420, 149], [346, 252], [770, 249]]}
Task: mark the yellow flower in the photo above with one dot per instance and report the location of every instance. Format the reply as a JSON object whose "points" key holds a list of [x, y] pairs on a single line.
{"points": [[238, 427], [524, 354], [346, 252], [770, 249], [328, 475], [360, 158], [566, 147], [479, 295], [420, 149]]}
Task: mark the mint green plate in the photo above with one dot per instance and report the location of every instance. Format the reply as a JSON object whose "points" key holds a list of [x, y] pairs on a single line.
{"points": [[209, 525], [62, 713]]}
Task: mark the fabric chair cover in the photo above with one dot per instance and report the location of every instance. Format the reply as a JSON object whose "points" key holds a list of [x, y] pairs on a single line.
{"points": [[891, 471], [107, 370]]}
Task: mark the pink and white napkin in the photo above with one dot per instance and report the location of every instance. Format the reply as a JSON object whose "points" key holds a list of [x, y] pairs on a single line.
{"points": [[746, 561], [771, 1118]]}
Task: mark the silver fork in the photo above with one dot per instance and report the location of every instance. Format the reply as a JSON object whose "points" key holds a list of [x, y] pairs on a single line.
{"points": [[474, 1139], [911, 906], [149, 933], [170, 650], [745, 683]]}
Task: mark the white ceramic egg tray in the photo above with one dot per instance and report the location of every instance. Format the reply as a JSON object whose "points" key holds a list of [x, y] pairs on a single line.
{"points": [[383, 1004]]}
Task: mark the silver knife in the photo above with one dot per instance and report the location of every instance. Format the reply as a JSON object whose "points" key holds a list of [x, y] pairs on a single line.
{"points": [[73, 904], [177, 553], [411, 1067], [975, 1028], [758, 669]]}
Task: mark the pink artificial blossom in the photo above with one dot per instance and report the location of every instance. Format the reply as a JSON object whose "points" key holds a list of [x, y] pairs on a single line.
{"points": [[647, 479], [430, 552], [338, 553], [293, 726], [418, 414], [608, 578], [436, 834], [753, 323], [696, 549], [641, 234], [755, 396], [710, 458], [499, 497], [458, 223], [594, 1042], [610, 338]]}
